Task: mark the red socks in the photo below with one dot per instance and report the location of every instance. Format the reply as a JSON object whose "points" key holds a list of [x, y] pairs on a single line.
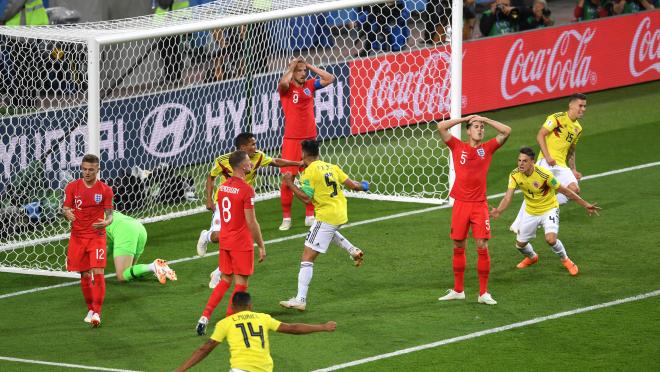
{"points": [[86, 286], [286, 198], [483, 269], [98, 293], [237, 288], [215, 298], [459, 268], [309, 210]]}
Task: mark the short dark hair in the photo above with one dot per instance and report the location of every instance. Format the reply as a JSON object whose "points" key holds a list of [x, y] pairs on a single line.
{"points": [[237, 157], [577, 96], [91, 158], [310, 147], [243, 139], [241, 299], [528, 151]]}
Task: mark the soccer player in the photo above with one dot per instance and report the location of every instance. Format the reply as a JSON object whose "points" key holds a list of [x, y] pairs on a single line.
{"points": [[239, 229], [557, 139], [297, 97], [88, 205], [247, 335], [126, 238], [539, 187], [221, 167], [321, 185], [470, 209]]}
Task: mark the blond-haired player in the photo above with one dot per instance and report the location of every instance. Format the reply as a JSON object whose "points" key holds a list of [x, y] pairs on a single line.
{"points": [[557, 139], [539, 187]]}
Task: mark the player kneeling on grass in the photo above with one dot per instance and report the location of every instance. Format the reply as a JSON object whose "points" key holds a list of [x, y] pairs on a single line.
{"points": [[539, 188], [247, 335], [126, 238], [321, 184]]}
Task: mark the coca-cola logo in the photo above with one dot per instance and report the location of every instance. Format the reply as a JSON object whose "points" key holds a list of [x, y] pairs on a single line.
{"points": [[564, 65], [645, 49], [398, 95]]}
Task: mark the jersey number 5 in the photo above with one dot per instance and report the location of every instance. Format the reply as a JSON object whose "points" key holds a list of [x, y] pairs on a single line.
{"points": [[259, 334], [331, 183], [226, 209]]}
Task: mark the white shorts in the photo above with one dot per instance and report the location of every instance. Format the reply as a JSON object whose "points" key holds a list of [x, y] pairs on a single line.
{"points": [[215, 221], [529, 223], [320, 235], [563, 174]]}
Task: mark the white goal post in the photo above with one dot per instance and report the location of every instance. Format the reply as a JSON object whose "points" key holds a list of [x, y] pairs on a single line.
{"points": [[159, 97]]}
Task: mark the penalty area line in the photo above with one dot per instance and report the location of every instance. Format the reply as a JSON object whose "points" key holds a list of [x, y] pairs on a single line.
{"points": [[67, 365], [490, 331], [352, 224]]}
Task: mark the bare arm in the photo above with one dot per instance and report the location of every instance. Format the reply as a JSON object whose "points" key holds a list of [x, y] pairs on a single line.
{"points": [[301, 329], [503, 131], [104, 222], [198, 355], [285, 80], [210, 184], [255, 229], [646, 5], [591, 208], [445, 125], [356, 186], [68, 214], [540, 139], [504, 204], [277, 162], [326, 77], [288, 180], [570, 158]]}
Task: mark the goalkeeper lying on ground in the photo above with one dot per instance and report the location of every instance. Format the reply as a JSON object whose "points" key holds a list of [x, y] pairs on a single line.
{"points": [[126, 238]]}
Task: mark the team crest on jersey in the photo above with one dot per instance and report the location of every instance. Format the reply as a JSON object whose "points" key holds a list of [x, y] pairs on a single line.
{"points": [[98, 198], [307, 92], [536, 184], [481, 152]]}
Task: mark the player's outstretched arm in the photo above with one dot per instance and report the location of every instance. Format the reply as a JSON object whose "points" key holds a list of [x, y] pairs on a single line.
{"points": [[356, 186], [540, 139], [504, 204], [503, 131], [445, 125], [255, 229], [277, 162], [326, 77], [208, 188], [287, 178], [301, 328], [285, 80], [198, 355], [591, 208]]}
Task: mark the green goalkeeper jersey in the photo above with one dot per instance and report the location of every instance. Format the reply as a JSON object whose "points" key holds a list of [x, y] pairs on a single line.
{"points": [[125, 236]]}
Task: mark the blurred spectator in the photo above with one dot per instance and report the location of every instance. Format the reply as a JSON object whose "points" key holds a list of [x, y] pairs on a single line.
{"points": [[228, 61], [385, 27], [469, 18], [631, 6], [591, 9], [169, 47], [500, 19], [539, 15], [439, 19]]}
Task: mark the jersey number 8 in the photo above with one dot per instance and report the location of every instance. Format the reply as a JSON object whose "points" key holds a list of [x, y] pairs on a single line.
{"points": [[226, 209]]}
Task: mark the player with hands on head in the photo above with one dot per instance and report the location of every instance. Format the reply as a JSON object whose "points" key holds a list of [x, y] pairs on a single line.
{"points": [[321, 184], [470, 210], [539, 188]]}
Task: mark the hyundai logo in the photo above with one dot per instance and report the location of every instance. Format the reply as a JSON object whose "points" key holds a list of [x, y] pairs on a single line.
{"points": [[168, 130]]}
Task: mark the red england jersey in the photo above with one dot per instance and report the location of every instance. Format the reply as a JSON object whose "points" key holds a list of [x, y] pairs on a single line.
{"points": [[234, 196], [471, 165], [298, 107], [88, 205]]}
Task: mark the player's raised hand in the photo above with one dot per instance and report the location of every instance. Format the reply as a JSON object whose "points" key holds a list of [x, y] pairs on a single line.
{"points": [[494, 212], [330, 326], [262, 254], [592, 209]]}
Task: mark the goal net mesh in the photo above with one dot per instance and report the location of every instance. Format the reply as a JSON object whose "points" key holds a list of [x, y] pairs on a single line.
{"points": [[172, 103]]}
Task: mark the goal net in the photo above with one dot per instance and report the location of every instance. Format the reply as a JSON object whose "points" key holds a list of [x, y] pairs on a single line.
{"points": [[159, 97]]}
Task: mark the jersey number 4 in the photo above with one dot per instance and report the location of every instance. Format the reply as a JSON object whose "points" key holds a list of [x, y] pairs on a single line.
{"points": [[259, 334]]}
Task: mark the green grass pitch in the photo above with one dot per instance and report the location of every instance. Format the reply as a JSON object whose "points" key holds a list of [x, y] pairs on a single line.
{"points": [[391, 303]]}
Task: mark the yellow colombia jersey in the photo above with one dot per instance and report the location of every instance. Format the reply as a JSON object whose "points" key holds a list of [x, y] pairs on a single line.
{"points": [[563, 133], [222, 168], [538, 189], [323, 182], [247, 335]]}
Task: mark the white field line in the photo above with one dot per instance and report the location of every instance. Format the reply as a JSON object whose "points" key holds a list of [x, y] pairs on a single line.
{"points": [[490, 331], [352, 224], [67, 365]]}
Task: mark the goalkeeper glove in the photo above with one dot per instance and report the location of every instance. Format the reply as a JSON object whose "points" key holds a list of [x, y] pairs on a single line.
{"points": [[365, 185]]}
